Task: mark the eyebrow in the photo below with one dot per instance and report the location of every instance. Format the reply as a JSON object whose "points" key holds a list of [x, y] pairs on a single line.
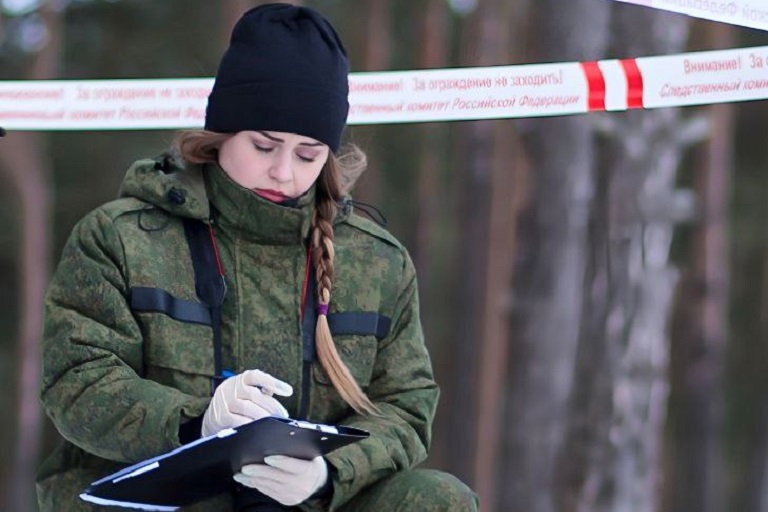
{"points": [[277, 139]]}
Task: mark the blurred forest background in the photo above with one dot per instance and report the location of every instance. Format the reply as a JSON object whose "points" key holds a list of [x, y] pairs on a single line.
{"points": [[594, 288]]}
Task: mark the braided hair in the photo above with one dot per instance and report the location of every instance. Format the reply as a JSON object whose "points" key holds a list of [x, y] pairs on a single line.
{"points": [[328, 194]]}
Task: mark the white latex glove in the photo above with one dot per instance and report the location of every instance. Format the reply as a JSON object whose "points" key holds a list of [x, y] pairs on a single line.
{"points": [[285, 479], [244, 398]]}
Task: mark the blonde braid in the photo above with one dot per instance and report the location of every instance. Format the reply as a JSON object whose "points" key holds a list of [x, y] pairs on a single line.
{"points": [[322, 259]]}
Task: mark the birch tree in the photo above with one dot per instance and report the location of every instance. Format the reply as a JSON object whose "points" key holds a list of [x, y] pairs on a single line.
{"points": [[609, 460], [593, 282]]}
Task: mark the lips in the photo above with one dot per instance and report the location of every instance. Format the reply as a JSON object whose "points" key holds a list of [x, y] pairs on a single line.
{"points": [[271, 195]]}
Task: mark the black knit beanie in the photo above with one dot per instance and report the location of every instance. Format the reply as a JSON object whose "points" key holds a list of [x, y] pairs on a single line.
{"points": [[285, 70]]}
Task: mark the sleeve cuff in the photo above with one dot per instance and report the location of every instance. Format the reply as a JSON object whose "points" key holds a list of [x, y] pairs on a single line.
{"points": [[191, 430], [327, 488]]}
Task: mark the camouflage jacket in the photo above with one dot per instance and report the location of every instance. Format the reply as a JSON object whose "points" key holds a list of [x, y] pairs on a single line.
{"points": [[118, 381]]}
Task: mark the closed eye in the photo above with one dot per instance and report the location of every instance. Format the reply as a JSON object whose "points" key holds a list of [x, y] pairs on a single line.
{"points": [[263, 149]]}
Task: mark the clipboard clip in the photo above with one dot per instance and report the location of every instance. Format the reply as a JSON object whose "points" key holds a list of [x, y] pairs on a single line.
{"points": [[315, 426]]}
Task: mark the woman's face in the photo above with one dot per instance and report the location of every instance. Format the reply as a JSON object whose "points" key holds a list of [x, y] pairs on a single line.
{"points": [[275, 165]]}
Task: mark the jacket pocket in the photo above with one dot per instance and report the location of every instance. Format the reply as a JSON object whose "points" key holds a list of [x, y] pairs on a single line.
{"points": [[358, 353], [177, 355], [177, 346], [176, 332], [178, 340]]}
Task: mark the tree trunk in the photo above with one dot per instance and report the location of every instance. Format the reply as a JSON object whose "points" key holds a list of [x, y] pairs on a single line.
{"points": [[431, 248], [434, 54], [484, 42], [22, 160], [697, 469], [549, 267], [756, 488], [508, 192], [376, 42], [746, 378], [609, 461]]}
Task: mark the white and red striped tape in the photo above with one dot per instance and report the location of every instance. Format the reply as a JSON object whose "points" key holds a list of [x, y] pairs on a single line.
{"points": [[413, 96], [747, 13]]}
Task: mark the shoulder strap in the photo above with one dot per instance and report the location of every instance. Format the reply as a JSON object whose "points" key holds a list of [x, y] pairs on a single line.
{"points": [[209, 283]]}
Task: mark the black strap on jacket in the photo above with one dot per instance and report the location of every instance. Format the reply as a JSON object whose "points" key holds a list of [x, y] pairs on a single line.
{"points": [[157, 300], [361, 323], [209, 284], [308, 352]]}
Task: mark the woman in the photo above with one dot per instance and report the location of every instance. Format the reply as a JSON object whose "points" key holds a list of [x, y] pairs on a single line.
{"points": [[233, 282]]}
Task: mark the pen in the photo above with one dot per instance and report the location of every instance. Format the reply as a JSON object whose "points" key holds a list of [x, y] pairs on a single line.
{"points": [[228, 373]]}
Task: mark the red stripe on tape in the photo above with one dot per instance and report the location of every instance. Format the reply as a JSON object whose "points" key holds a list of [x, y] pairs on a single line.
{"points": [[596, 85], [634, 83]]}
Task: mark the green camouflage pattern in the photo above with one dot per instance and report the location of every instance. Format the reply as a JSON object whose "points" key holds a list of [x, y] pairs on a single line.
{"points": [[421, 490], [117, 384]]}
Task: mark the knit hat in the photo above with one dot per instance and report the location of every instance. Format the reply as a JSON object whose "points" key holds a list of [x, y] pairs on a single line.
{"points": [[285, 70]]}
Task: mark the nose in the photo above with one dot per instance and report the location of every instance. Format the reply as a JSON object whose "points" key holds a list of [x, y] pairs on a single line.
{"points": [[281, 169]]}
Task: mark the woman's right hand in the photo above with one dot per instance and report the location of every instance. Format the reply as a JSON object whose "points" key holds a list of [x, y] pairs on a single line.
{"points": [[244, 398]]}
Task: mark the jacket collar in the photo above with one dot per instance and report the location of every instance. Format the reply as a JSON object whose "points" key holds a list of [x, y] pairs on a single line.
{"points": [[178, 190], [252, 217]]}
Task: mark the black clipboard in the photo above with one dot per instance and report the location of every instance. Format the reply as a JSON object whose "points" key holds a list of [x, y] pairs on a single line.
{"points": [[204, 468]]}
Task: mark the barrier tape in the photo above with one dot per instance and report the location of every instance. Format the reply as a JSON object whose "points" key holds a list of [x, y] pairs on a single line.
{"points": [[753, 14], [534, 90]]}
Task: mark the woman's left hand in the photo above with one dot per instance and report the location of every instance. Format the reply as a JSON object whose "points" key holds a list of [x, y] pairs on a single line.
{"points": [[287, 480]]}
